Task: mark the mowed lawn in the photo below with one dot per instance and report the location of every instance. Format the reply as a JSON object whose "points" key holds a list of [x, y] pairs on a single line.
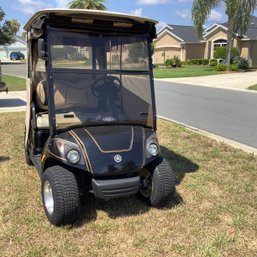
{"points": [[213, 214], [14, 83], [185, 71]]}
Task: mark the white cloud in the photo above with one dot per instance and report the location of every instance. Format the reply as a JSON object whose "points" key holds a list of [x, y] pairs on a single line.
{"points": [[215, 16], [62, 3], [184, 14], [137, 12], [152, 2], [31, 6]]}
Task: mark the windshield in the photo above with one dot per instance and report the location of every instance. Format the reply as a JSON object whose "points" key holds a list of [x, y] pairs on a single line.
{"points": [[101, 79]]}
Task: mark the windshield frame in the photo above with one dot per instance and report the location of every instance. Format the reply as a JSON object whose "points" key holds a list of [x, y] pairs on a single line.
{"points": [[50, 82]]}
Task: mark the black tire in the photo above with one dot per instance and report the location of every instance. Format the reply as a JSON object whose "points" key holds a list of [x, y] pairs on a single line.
{"points": [[65, 195], [161, 186], [26, 154], [27, 158]]}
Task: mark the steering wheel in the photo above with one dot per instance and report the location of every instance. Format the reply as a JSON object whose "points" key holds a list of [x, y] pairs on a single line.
{"points": [[105, 85]]}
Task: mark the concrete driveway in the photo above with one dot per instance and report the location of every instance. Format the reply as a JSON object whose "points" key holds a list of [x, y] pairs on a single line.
{"points": [[236, 81]]}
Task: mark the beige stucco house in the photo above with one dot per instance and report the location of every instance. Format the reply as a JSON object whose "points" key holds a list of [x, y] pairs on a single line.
{"points": [[183, 42]]}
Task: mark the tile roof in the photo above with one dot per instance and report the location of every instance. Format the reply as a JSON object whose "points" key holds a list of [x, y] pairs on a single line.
{"points": [[186, 33], [251, 33]]}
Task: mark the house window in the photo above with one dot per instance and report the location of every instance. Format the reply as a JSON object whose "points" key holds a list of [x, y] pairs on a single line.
{"points": [[219, 43]]}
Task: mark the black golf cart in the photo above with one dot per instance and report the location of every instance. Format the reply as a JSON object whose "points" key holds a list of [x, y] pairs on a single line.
{"points": [[91, 119]]}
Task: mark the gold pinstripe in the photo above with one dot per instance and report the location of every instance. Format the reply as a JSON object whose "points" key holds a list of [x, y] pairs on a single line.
{"points": [[84, 151]]}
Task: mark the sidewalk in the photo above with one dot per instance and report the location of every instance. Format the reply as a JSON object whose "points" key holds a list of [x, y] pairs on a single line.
{"points": [[14, 101], [236, 81]]}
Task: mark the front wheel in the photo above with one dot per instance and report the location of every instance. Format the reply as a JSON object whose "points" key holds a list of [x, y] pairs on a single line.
{"points": [[157, 187], [60, 196]]}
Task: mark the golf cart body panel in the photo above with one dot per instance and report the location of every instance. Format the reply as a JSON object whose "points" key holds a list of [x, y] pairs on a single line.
{"points": [[105, 150], [91, 116]]}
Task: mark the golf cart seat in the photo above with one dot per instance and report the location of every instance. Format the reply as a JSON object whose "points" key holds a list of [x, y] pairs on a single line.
{"points": [[62, 119], [41, 95]]}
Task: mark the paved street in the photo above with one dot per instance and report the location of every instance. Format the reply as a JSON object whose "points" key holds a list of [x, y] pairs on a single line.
{"points": [[227, 113], [15, 69]]}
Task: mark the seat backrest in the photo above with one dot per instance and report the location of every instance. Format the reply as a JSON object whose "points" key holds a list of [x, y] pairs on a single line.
{"points": [[41, 95]]}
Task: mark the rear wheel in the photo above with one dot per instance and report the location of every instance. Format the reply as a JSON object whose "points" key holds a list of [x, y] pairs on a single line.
{"points": [[26, 153], [60, 196], [27, 157], [157, 187]]}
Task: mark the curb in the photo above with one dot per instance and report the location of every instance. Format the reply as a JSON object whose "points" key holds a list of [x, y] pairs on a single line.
{"points": [[234, 144], [218, 87], [14, 75]]}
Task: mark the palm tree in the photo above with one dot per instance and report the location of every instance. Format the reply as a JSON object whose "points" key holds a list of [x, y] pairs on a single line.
{"points": [[238, 12], [88, 4]]}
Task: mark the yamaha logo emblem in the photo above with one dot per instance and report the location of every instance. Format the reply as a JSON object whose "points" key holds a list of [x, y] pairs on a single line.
{"points": [[117, 158]]}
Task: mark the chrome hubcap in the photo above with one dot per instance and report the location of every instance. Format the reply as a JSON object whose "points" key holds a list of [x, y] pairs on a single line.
{"points": [[48, 197]]}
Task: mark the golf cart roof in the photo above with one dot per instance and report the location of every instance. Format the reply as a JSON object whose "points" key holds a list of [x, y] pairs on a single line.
{"points": [[86, 14]]}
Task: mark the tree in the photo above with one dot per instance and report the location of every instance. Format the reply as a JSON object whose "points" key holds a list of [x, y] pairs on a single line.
{"points": [[137, 51], [88, 4], [8, 29], [238, 12]]}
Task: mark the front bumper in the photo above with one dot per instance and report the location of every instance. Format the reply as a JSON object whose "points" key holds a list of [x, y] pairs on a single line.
{"points": [[115, 188]]}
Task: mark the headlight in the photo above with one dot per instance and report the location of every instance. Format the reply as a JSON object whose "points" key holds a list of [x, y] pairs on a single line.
{"points": [[152, 149], [73, 156]]}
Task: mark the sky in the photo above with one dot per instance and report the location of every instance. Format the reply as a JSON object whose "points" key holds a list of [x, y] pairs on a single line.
{"points": [[165, 11]]}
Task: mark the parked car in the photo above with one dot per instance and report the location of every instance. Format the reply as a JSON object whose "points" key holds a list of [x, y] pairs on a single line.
{"points": [[17, 56]]}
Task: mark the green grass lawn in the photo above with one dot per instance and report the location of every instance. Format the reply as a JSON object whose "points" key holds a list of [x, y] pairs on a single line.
{"points": [[14, 83], [213, 213], [185, 71], [254, 87]]}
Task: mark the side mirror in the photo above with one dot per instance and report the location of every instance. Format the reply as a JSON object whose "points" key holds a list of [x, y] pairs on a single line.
{"points": [[41, 49]]}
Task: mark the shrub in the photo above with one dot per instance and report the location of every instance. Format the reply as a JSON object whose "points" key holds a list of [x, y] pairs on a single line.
{"points": [[155, 65], [194, 61], [187, 62], [243, 63], [176, 61], [173, 62], [167, 62], [221, 53], [213, 62], [220, 67], [205, 61], [233, 67], [199, 61], [234, 52]]}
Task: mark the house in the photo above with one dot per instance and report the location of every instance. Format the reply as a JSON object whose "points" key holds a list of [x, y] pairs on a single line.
{"points": [[183, 42], [20, 45]]}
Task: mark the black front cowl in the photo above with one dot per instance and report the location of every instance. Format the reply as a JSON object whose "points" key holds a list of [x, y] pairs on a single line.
{"points": [[112, 150]]}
